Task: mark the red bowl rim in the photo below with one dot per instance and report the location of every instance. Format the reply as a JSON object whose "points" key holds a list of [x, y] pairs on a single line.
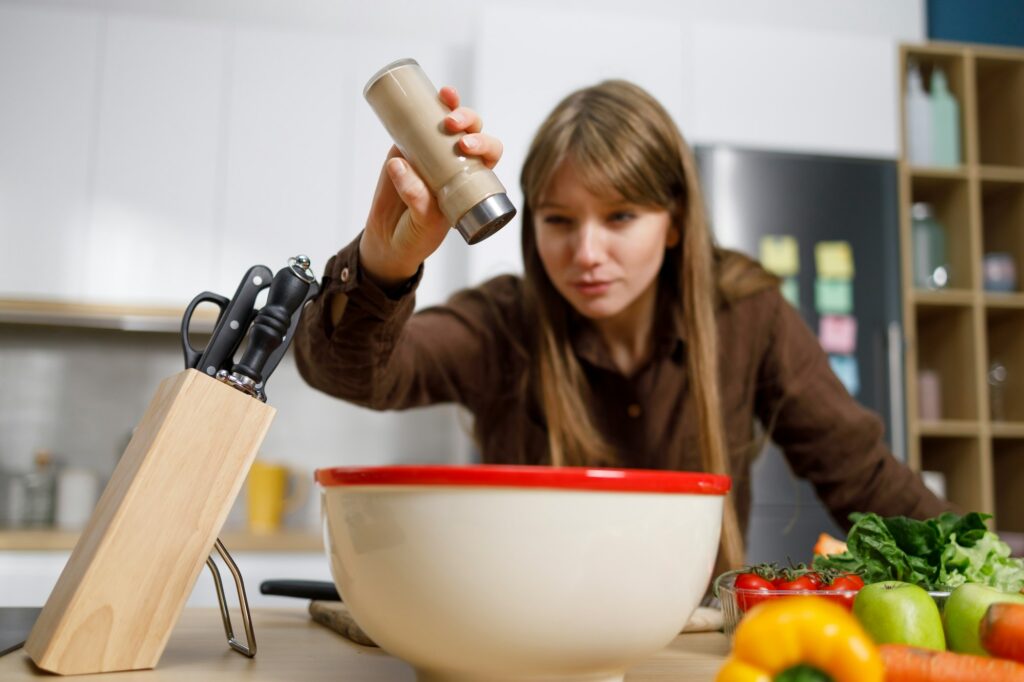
{"points": [[510, 476]]}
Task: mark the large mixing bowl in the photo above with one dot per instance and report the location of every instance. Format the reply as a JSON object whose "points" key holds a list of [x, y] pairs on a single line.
{"points": [[505, 574]]}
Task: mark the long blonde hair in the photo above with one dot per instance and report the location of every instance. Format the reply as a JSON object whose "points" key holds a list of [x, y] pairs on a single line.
{"points": [[621, 139]]}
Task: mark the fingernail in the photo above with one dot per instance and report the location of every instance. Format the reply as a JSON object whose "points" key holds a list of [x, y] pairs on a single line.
{"points": [[397, 167], [470, 142], [455, 118]]}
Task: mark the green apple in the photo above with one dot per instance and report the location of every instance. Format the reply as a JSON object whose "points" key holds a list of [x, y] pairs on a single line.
{"points": [[894, 612], [964, 610]]}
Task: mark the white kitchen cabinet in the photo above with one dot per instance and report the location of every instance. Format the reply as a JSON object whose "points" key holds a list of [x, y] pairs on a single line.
{"points": [[159, 161], [287, 140], [48, 79], [27, 578]]}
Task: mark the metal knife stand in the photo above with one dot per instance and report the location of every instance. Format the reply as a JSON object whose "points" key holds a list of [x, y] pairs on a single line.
{"points": [[249, 648]]}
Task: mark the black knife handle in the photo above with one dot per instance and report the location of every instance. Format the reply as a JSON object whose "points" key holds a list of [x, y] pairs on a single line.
{"points": [[287, 292], [234, 323], [304, 589]]}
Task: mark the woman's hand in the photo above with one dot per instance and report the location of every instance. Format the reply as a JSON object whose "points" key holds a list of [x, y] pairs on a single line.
{"points": [[405, 224]]}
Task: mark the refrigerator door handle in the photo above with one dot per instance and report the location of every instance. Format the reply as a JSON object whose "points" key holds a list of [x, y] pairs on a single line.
{"points": [[897, 402]]}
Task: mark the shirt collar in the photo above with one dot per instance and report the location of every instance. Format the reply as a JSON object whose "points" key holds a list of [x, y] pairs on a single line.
{"points": [[669, 338]]}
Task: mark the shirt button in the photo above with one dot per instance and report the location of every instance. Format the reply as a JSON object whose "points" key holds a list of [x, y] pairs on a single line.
{"points": [[634, 411], [344, 274]]}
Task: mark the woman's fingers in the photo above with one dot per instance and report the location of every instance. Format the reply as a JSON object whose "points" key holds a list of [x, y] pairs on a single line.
{"points": [[463, 120], [450, 97], [414, 193], [486, 147]]}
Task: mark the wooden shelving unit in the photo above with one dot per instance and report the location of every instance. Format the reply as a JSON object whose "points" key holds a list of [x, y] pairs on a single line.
{"points": [[960, 331]]}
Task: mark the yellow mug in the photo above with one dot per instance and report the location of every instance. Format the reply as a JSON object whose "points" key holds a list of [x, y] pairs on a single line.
{"points": [[273, 490]]}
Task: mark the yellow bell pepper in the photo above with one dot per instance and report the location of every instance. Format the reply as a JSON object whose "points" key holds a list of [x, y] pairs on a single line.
{"points": [[780, 638]]}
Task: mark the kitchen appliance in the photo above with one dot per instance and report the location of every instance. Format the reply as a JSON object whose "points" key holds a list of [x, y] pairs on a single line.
{"points": [[515, 573], [468, 193], [754, 194], [130, 574], [15, 623]]}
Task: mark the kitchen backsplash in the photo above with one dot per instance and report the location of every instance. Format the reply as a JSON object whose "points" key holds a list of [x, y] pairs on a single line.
{"points": [[79, 392]]}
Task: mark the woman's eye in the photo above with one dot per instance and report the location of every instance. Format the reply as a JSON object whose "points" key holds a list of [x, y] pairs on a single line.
{"points": [[555, 220], [622, 216]]}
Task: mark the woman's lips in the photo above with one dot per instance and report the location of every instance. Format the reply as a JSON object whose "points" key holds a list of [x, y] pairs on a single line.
{"points": [[592, 288]]}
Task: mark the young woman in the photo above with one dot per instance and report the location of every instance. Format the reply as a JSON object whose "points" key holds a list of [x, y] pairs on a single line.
{"points": [[630, 340]]}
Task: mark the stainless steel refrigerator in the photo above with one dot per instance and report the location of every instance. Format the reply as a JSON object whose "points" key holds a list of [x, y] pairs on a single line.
{"points": [[755, 194]]}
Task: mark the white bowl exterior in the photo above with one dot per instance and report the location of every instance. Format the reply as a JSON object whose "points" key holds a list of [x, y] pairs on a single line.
{"points": [[515, 582]]}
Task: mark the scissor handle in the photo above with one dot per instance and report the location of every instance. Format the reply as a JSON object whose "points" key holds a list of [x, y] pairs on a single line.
{"points": [[192, 355]]}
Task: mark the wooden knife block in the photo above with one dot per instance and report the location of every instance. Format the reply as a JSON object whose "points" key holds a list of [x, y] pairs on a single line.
{"points": [[134, 566]]}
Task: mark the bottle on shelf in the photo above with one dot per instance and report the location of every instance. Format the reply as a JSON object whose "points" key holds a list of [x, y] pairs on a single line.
{"points": [[39, 489], [919, 119], [945, 123], [931, 265]]}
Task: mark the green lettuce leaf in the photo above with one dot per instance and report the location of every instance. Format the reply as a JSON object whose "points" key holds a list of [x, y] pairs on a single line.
{"points": [[942, 552]]}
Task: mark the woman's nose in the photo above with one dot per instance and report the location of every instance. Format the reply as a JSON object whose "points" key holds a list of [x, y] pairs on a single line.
{"points": [[588, 251]]}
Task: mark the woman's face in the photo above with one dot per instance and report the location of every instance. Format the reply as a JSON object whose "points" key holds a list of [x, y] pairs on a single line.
{"points": [[602, 253]]}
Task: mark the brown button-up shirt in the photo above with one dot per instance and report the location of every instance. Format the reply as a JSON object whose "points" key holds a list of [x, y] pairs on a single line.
{"points": [[772, 370]]}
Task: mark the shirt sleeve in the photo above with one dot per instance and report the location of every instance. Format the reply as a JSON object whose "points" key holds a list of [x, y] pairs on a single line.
{"points": [[827, 437], [382, 356]]}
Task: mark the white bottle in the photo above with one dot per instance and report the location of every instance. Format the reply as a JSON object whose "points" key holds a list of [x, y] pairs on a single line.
{"points": [[919, 120], [945, 123]]}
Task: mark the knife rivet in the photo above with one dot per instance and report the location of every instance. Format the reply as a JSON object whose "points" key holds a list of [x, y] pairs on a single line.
{"points": [[211, 370], [233, 324], [257, 280]]}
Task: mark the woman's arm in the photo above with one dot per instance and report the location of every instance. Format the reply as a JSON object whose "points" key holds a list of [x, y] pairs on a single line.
{"points": [[380, 355], [357, 341], [829, 438]]}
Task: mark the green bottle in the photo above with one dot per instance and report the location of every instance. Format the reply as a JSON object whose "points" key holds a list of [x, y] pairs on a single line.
{"points": [[945, 123]]}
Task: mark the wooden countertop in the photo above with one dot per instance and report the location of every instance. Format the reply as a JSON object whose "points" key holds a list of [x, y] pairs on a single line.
{"points": [[292, 647]]}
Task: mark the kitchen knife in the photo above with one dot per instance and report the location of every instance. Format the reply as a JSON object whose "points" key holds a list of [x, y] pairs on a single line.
{"points": [[291, 287], [317, 590], [234, 322]]}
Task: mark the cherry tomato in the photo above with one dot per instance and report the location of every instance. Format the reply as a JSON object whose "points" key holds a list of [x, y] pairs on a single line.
{"points": [[748, 586], [815, 578], [855, 580], [797, 584], [848, 584]]}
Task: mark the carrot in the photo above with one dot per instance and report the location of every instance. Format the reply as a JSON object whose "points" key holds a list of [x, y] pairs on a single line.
{"points": [[1002, 631], [911, 664], [828, 545]]}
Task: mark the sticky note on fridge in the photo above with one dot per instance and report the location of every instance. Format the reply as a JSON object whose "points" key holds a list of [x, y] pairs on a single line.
{"points": [[780, 255], [838, 334], [834, 260], [845, 367], [791, 291], [833, 296]]}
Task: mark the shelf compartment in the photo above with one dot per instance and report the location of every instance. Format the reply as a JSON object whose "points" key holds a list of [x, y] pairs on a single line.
{"points": [[950, 201], [1008, 477], [952, 62], [999, 84], [1002, 221], [946, 345], [943, 297], [1005, 334], [959, 461]]}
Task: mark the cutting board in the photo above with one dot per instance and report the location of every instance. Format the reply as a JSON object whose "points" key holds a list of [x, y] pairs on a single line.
{"points": [[335, 616]]}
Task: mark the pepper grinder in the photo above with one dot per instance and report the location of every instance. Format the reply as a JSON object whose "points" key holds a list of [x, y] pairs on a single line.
{"points": [[468, 193]]}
